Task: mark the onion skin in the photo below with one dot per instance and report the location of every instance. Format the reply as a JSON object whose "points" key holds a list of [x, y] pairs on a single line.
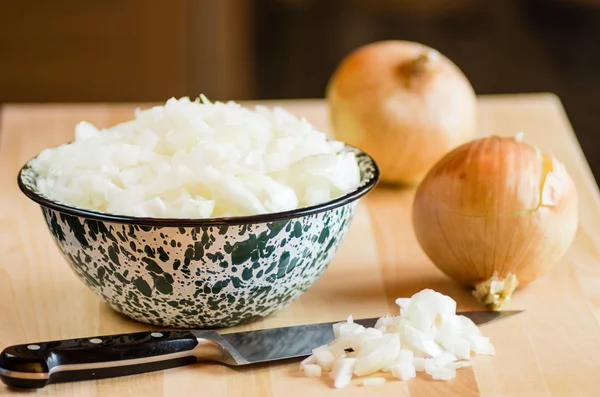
{"points": [[403, 103], [496, 207]]}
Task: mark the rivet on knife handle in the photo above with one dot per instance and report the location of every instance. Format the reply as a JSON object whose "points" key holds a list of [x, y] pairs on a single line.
{"points": [[36, 364]]}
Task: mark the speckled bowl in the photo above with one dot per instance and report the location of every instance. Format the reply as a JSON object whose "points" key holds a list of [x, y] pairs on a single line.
{"points": [[200, 272]]}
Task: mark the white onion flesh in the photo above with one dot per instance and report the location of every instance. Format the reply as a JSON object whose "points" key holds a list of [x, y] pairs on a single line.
{"points": [[307, 361], [419, 363], [405, 356], [427, 336], [197, 159], [403, 371], [312, 370], [462, 364], [377, 354], [342, 371], [324, 358], [373, 381], [439, 372]]}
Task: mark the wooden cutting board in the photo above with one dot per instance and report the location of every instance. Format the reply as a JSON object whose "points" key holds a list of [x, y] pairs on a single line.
{"points": [[551, 350]]}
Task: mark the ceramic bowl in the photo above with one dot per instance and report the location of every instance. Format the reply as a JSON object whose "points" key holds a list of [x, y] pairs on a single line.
{"points": [[200, 272]]}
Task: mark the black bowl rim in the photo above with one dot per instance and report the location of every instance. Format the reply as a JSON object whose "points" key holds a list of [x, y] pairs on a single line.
{"points": [[200, 222]]}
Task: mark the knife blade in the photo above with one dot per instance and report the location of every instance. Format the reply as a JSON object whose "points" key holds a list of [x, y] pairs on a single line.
{"points": [[34, 365]]}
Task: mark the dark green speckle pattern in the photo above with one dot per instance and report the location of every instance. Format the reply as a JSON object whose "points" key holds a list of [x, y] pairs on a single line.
{"points": [[200, 276]]}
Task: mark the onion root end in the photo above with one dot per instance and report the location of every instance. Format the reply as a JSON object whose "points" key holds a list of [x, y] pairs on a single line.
{"points": [[495, 292]]}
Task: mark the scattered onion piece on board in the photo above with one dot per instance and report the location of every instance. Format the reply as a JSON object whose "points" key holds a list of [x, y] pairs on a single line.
{"points": [[373, 381], [312, 370], [342, 370], [427, 336]]}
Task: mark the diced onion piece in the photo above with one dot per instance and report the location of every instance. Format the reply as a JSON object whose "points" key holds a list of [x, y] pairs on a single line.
{"points": [[403, 371], [429, 308], [403, 303], [376, 354], [336, 329], [449, 332], [85, 130], [312, 370], [443, 373], [419, 340], [430, 365], [419, 364], [355, 340], [439, 372], [444, 359], [469, 326], [418, 353], [462, 349], [461, 364], [405, 356], [308, 360], [347, 329], [481, 344], [324, 358], [149, 208], [373, 381], [342, 371]]}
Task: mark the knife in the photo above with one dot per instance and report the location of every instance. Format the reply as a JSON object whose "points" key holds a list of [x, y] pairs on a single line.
{"points": [[34, 365]]}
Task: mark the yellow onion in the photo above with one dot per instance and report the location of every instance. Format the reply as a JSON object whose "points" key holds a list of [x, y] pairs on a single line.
{"points": [[494, 213], [404, 103]]}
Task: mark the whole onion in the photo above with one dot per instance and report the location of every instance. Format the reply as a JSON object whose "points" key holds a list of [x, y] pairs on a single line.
{"points": [[494, 213], [404, 103]]}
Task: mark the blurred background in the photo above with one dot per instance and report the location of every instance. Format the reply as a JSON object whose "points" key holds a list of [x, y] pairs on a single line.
{"points": [[151, 50]]}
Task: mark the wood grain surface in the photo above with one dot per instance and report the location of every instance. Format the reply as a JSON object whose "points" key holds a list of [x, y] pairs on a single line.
{"points": [[551, 350]]}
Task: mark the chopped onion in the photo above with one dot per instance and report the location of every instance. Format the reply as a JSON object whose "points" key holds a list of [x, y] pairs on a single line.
{"points": [[373, 381], [444, 373], [324, 358], [312, 370], [197, 159], [420, 341], [355, 340], [307, 361], [481, 344], [462, 364], [444, 359], [427, 336], [403, 303], [342, 371], [405, 356], [345, 329], [377, 354], [403, 371], [419, 364]]}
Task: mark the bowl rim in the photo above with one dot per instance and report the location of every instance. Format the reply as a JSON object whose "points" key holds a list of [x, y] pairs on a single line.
{"points": [[364, 187]]}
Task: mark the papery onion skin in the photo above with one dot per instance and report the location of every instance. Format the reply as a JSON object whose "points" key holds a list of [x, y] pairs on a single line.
{"points": [[404, 104], [496, 206]]}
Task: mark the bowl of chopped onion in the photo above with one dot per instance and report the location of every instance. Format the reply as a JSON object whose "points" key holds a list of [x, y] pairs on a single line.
{"points": [[199, 214]]}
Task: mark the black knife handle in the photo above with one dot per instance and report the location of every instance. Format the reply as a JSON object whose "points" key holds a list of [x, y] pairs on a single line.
{"points": [[36, 364]]}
